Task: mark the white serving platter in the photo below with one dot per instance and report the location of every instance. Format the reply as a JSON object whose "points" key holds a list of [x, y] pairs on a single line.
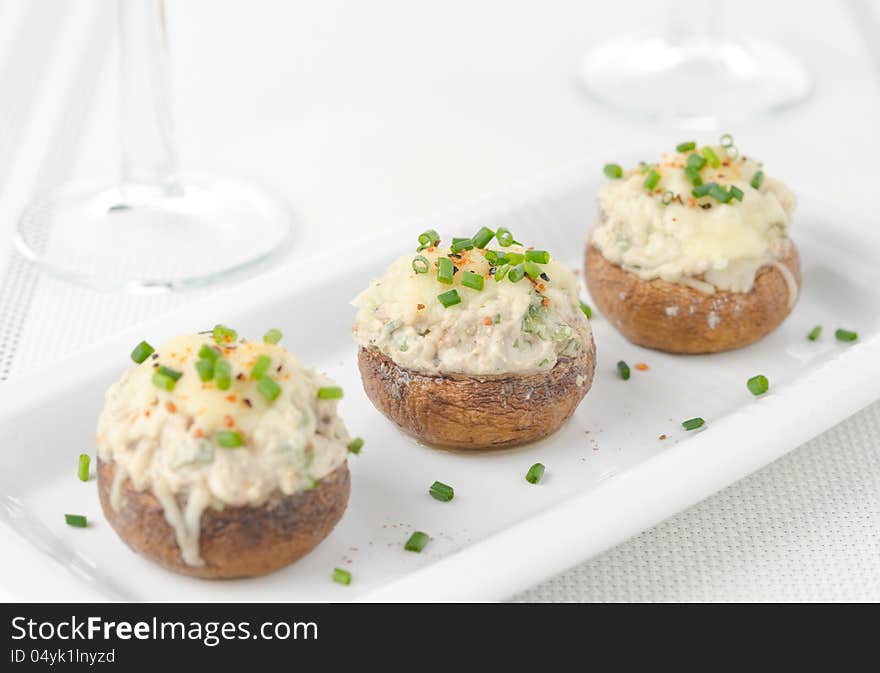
{"points": [[608, 477]]}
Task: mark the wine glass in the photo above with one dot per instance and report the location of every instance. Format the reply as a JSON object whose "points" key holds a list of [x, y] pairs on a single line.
{"points": [[151, 228]]}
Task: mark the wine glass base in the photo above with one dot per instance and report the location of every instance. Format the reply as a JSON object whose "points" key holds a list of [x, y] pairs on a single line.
{"points": [[696, 81], [147, 238]]}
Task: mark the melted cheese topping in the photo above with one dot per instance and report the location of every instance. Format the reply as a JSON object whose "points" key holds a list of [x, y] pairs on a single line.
{"points": [[505, 328], [166, 441], [696, 242]]}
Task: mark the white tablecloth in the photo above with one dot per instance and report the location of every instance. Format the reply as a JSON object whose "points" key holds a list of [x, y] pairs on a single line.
{"points": [[366, 114]]}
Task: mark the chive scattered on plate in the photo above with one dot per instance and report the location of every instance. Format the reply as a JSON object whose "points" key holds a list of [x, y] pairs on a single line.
{"points": [[341, 576], [416, 542], [613, 171], [76, 520], [845, 335], [623, 370], [587, 310], [815, 333], [758, 385], [693, 423], [142, 351], [536, 471], [442, 492], [355, 445], [82, 470]]}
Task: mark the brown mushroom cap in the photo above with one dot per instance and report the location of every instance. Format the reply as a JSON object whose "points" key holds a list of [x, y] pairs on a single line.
{"points": [[703, 323], [233, 541], [477, 412]]}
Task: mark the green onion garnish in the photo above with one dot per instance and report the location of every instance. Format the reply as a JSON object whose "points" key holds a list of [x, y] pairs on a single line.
{"points": [[693, 423], [514, 258], [685, 147], [711, 157], [269, 389], [330, 393], [693, 175], [726, 140], [667, 197], [845, 335], [207, 352], [224, 335], [442, 492], [223, 374], [355, 445], [472, 280], [517, 273], [428, 239], [170, 373], [205, 369], [532, 270], [420, 264], [613, 171], [482, 237], [494, 257], [76, 520], [461, 244], [505, 238], [623, 370], [449, 298], [501, 272], [758, 385], [261, 366], [273, 336], [736, 192], [587, 310], [341, 576], [229, 439], [652, 180], [757, 179], [82, 470], [445, 270], [164, 381], [694, 160], [536, 471], [719, 193], [142, 351], [815, 333], [416, 542], [538, 256]]}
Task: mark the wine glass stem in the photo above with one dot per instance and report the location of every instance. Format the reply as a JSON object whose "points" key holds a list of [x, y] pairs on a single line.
{"points": [[148, 152]]}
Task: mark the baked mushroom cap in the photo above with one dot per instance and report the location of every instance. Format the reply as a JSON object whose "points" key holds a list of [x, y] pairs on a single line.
{"points": [[680, 319], [233, 541], [477, 412]]}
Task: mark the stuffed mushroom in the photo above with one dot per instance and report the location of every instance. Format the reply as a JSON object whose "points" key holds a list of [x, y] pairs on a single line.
{"points": [[220, 457], [475, 346], [692, 254]]}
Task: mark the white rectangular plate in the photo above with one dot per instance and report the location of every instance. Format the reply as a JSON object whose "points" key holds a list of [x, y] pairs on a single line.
{"points": [[608, 476]]}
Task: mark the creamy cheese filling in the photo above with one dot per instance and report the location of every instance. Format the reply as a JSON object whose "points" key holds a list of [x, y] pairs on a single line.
{"points": [[167, 441], [699, 242], [505, 328]]}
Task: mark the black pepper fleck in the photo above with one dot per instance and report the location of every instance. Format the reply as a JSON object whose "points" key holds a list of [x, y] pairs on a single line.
{"points": [[248, 402], [545, 277], [705, 206]]}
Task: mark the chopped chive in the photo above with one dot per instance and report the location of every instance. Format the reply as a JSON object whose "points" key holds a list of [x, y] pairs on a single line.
{"points": [[505, 238], [538, 256], [76, 520], [450, 298], [273, 336], [355, 445], [416, 542], [229, 439], [420, 264], [532, 270], [757, 180], [693, 175], [652, 180], [207, 352], [686, 146], [587, 310], [694, 160], [517, 273], [514, 258], [719, 193], [702, 189], [261, 366], [462, 244], [736, 192], [623, 370], [482, 237], [711, 157], [163, 381], [501, 272], [472, 280], [726, 140], [224, 335], [536, 471], [845, 335], [493, 257], [442, 492], [758, 385], [693, 423], [613, 171], [815, 333], [170, 373], [223, 374], [341, 576], [205, 369], [445, 270], [82, 470], [427, 239], [269, 389], [330, 393], [142, 351]]}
